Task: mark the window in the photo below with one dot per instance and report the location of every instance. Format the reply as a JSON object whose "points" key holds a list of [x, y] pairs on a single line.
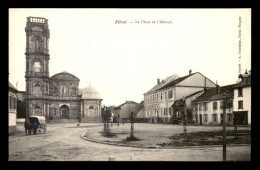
{"points": [[200, 106], [37, 44], [205, 106], [165, 94], [170, 94], [166, 111], [12, 102], [157, 96], [240, 104], [153, 97], [161, 96], [36, 66], [91, 107], [240, 92], [221, 104], [215, 117], [170, 111], [205, 117], [161, 111], [215, 105]]}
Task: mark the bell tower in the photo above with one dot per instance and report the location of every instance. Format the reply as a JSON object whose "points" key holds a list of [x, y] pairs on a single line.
{"points": [[37, 66]]}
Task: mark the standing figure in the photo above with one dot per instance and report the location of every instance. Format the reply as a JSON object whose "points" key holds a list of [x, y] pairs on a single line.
{"points": [[118, 117], [27, 126]]}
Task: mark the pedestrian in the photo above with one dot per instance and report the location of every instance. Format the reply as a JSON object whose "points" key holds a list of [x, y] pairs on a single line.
{"points": [[26, 126]]}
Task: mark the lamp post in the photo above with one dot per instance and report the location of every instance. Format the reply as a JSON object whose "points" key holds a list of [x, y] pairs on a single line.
{"points": [[132, 125], [184, 123], [224, 125]]}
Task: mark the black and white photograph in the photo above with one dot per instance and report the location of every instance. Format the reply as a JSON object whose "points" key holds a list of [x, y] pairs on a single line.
{"points": [[129, 84]]}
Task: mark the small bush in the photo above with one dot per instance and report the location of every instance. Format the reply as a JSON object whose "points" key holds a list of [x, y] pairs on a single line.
{"points": [[132, 138], [214, 123], [108, 134]]}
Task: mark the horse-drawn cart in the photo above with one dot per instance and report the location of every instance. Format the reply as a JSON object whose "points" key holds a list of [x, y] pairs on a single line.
{"points": [[36, 124]]}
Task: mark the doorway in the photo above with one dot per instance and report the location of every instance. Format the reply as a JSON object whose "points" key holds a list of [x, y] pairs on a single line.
{"points": [[200, 119], [64, 110]]}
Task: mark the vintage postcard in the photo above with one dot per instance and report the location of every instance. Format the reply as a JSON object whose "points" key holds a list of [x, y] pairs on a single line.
{"points": [[95, 84]]}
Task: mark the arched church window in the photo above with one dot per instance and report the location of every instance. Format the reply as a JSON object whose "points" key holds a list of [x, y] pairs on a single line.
{"points": [[36, 66], [91, 111], [37, 43], [37, 89], [38, 85]]}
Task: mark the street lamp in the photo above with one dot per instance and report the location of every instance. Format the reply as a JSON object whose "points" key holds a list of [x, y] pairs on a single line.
{"points": [[132, 125], [224, 125]]}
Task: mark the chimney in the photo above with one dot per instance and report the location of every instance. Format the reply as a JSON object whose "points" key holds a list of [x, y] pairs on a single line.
{"points": [[205, 84], [190, 71], [217, 88], [158, 81]]}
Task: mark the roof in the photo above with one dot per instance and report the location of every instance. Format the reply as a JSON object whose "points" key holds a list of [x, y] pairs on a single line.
{"points": [[220, 96], [127, 102], [178, 80], [65, 72], [211, 93], [227, 88], [179, 102], [241, 85], [12, 87], [194, 93], [206, 95], [90, 93], [163, 82]]}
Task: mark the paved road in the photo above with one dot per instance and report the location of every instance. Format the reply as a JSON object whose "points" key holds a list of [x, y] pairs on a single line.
{"points": [[63, 142]]}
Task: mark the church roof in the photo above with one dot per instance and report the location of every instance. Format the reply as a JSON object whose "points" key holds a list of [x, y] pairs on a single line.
{"points": [[90, 93], [64, 72]]}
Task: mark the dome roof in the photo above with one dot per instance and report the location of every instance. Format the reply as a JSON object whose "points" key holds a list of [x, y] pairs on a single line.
{"points": [[90, 93]]}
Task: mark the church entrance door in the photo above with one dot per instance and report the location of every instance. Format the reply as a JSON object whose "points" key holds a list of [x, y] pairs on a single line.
{"points": [[64, 112]]}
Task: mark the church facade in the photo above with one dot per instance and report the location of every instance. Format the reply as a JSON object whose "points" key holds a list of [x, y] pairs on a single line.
{"points": [[57, 97]]}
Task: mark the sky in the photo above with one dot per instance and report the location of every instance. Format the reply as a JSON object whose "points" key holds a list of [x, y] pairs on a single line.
{"points": [[122, 60]]}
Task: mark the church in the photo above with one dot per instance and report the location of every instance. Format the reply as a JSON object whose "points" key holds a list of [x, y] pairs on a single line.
{"points": [[58, 97]]}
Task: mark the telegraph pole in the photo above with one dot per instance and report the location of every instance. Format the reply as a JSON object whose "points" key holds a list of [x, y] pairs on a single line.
{"points": [[224, 125]]}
